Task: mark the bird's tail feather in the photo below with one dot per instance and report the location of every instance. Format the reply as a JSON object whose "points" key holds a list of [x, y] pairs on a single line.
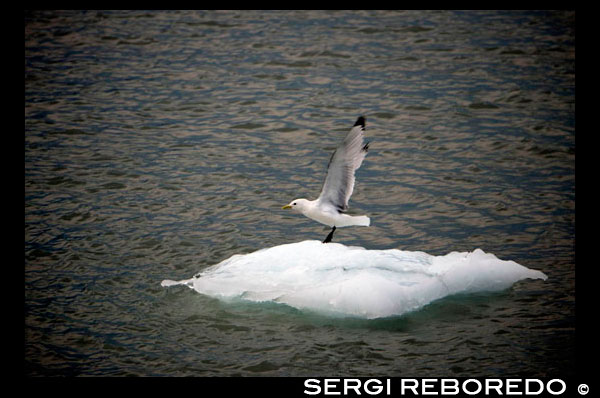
{"points": [[362, 221]]}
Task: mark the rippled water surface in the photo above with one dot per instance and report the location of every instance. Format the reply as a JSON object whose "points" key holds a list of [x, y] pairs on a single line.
{"points": [[160, 143]]}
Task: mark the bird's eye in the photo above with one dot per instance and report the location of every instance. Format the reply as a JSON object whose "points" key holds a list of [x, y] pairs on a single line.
{"points": [[294, 204]]}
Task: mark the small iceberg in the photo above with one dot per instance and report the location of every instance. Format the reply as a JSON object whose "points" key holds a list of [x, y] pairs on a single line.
{"points": [[335, 279]]}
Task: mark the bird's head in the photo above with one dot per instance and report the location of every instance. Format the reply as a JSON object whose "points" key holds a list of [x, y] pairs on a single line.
{"points": [[298, 205]]}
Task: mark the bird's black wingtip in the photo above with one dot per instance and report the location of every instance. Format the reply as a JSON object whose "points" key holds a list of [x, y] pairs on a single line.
{"points": [[360, 122]]}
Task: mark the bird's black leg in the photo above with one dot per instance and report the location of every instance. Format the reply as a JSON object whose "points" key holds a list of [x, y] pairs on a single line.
{"points": [[328, 238]]}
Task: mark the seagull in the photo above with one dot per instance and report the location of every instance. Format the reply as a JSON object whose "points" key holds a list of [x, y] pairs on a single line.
{"points": [[331, 205]]}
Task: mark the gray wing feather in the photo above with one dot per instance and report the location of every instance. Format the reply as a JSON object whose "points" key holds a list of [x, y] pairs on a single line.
{"points": [[345, 160]]}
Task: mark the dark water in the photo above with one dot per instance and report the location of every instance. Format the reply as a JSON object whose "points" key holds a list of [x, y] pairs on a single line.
{"points": [[160, 143]]}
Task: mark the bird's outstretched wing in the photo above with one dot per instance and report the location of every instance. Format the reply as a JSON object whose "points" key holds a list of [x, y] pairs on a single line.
{"points": [[339, 182]]}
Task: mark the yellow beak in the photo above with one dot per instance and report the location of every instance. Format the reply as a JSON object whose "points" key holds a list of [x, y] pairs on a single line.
{"points": [[286, 207]]}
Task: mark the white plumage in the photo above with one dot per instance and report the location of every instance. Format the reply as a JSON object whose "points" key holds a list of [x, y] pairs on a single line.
{"points": [[330, 207]]}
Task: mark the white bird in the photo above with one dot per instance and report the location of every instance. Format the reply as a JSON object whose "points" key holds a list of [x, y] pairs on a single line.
{"points": [[330, 207]]}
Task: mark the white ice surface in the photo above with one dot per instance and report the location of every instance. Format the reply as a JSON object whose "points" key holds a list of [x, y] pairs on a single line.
{"points": [[347, 280]]}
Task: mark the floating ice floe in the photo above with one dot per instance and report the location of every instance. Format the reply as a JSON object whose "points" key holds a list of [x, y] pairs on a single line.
{"points": [[352, 281]]}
